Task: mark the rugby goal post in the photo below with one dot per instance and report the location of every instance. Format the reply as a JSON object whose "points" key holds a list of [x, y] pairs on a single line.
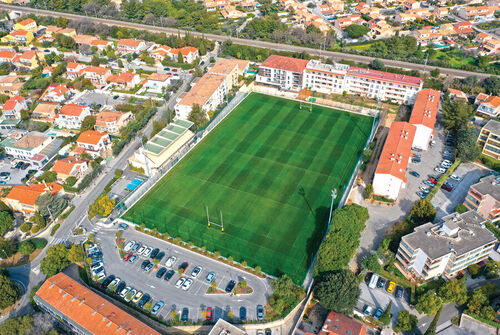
{"points": [[210, 223], [305, 96]]}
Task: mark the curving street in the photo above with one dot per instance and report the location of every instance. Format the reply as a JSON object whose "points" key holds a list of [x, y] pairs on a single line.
{"points": [[260, 44]]}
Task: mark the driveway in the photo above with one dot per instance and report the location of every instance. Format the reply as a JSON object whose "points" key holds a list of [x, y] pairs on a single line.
{"points": [[103, 99], [445, 202], [195, 299]]}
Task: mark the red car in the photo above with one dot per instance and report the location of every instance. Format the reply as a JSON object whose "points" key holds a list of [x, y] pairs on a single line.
{"points": [[447, 188], [209, 314], [433, 180], [127, 257]]}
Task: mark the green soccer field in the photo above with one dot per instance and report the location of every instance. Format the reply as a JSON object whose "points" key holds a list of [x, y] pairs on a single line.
{"points": [[270, 168]]}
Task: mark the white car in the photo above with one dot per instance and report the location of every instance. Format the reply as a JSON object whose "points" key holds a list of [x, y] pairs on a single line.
{"points": [[101, 275], [187, 284], [440, 170], [141, 250], [179, 283], [455, 177], [170, 261], [5, 178], [124, 292], [196, 271], [115, 282], [147, 252], [96, 265], [129, 246], [130, 295]]}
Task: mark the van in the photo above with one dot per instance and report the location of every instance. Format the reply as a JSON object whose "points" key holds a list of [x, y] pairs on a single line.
{"points": [[373, 281]]}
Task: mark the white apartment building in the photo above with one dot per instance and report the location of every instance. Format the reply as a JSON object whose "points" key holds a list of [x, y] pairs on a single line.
{"points": [[71, 116], [424, 116], [446, 248], [282, 72]]}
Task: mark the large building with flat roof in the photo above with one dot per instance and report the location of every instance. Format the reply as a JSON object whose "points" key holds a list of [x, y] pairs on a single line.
{"points": [[85, 312], [484, 198], [489, 139], [445, 248]]}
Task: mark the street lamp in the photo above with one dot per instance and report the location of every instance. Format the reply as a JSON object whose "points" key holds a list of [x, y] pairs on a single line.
{"points": [[334, 196]]}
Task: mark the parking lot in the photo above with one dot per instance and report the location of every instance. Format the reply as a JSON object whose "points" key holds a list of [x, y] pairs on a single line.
{"points": [[195, 298], [99, 98], [10, 176]]}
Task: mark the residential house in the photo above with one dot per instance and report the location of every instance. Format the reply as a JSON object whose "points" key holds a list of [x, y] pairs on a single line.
{"points": [[71, 116], [457, 95], [223, 327], [343, 22], [13, 107], [70, 32], [45, 112], [231, 69], [410, 4], [23, 37], [424, 116], [379, 28], [157, 82], [100, 44], [84, 39], [32, 147], [29, 59], [23, 198], [440, 12], [390, 175], [484, 197], [47, 71], [82, 311], [189, 54], [477, 13], [7, 56], [481, 38], [69, 167], [27, 24], [160, 53], [111, 121], [340, 324], [75, 70], [98, 75], [463, 28], [490, 47], [445, 248], [94, 142], [337, 5], [50, 32], [129, 45], [490, 106], [56, 93], [489, 139], [230, 12], [124, 80], [10, 85]]}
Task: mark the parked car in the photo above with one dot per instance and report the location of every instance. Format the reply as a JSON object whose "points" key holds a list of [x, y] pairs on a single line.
{"points": [[149, 267], [210, 277], [260, 312], [446, 187], [424, 189], [432, 180], [144, 264], [109, 279], [169, 274], [196, 271], [145, 298], [421, 195], [128, 246], [381, 283], [416, 160], [439, 169], [399, 291], [127, 257], [179, 282], [455, 177], [123, 226], [133, 259], [130, 295], [230, 286], [160, 256], [96, 265], [161, 272], [243, 313], [170, 261], [114, 282], [135, 247], [141, 250], [154, 253], [415, 174], [429, 183], [156, 308], [121, 285], [187, 284], [368, 310], [124, 292], [184, 314], [147, 252], [209, 314], [391, 287], [378, 313], [137, 297], [184, 266]]}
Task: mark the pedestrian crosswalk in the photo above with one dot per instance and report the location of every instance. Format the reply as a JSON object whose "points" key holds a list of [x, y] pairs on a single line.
{"points": [[36, 269], [61, 241]]}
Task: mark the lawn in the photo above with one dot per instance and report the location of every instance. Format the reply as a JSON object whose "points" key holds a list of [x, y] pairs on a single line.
{"points": [[270, 168]]}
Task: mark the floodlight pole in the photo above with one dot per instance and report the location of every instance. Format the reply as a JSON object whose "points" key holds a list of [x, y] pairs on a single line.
{"points": [[334, 196], [221, 222], [208, 217]]}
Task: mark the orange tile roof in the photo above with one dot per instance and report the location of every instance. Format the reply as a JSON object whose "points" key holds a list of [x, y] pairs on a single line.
{"points": [[122, 78], [71, 110], [12, 102], [426, 108], [339, 324], [97, 69], [27, 195], [129, 42], [66, 165], [159, 76], [7, 54], [28, 54], [86, 308], [59, 90], [397, 150], [73, 65], [107, 116], [26, 22], [99, 42], [91, 137], [285, 63], [45, 108], [492, 100], [203, 90], [20, 32]]}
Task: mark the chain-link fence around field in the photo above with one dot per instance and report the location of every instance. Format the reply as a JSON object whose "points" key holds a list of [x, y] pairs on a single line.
{"points": [[183, 151]]}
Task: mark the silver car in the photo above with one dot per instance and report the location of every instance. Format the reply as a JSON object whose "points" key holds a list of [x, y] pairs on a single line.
{"points": [[129, 246]]}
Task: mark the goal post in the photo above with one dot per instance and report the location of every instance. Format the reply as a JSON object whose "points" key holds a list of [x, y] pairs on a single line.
{"points": [[210, 223]]}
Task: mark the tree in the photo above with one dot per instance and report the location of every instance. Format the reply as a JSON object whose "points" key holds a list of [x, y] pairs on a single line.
{"points": [[356, 30], [491, 85], [197, 116], [377, 64], [75, 254], [102, 206], [435, 72], [48, 176], [342, 240], [26, 248], [95, 61], [180, 58], [88, 123], [428, 303], [453, 291], [406, 322], [368, 191], [9, 292], [432, 327], [55, 203], [371, 263], [55, 261], [475, 270], [25, 115], [71, 180], [457, 115], [461, 209], [386, 316], [65, 41], [25, 227], [17, 326], [7, 247], [483, 61], [6, 220], [423, 211], [285, 294], [338, 291], [467, 148]]}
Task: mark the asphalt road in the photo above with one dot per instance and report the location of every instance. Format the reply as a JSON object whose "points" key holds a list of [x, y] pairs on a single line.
{"points": [[249, 42], [195, 299]]}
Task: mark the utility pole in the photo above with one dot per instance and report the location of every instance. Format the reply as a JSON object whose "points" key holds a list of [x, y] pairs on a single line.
{"points": [[334, 196]]}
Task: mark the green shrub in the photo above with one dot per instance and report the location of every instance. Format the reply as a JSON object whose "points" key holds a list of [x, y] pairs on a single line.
{"points": [[39, 242], [25, 226], [461, 209], [54, 229]]}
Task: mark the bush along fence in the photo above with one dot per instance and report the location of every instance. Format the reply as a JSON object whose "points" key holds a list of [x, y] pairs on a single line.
{"points": [[443, 178]]}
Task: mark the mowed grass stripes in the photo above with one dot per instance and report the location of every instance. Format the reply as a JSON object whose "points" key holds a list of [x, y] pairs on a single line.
{"points": [[270, 167]]}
